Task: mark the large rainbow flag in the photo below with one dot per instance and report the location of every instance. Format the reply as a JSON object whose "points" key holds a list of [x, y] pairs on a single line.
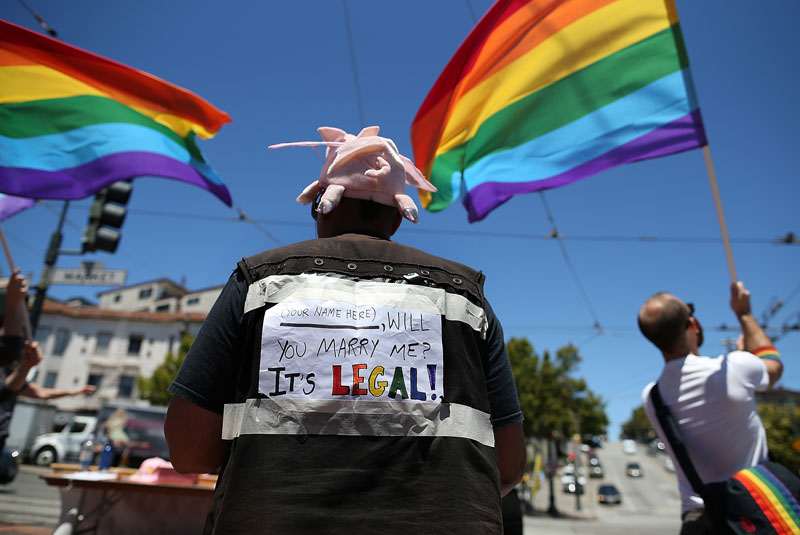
{"points": [[72, 122], [545, 92]]}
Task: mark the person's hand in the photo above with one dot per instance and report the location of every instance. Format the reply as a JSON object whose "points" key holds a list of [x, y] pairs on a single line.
{"points": [[87, 389], [31, 354], [17, 288], [740, 299]]}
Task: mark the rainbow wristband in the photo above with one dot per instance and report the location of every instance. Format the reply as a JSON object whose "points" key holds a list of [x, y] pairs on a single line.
{"points": [[767, 352]]}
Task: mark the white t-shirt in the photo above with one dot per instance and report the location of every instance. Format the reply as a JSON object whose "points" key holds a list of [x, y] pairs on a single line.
{"points": [[713, 401]]}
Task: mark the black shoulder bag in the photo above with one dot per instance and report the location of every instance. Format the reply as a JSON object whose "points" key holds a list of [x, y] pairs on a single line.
{"points": [[761, 500]]}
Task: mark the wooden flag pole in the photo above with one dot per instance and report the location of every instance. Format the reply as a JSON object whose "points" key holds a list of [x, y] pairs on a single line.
{"points": [[27, 325], [712, 177]]}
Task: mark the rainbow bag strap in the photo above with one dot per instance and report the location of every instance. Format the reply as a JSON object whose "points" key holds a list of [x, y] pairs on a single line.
{"points": [[777, 504]]}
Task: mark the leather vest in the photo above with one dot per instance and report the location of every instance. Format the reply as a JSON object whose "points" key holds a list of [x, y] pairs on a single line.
{"points": [[361, 402]]}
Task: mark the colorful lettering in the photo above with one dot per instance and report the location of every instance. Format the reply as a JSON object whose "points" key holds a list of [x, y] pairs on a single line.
{"points": [[398, 383], [376, 388]]}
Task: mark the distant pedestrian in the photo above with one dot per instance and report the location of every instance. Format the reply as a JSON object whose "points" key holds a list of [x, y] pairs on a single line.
{"points": [[712, 399]]}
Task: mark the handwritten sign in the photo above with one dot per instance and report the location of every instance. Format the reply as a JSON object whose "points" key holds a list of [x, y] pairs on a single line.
{"points": [[332, 350]]}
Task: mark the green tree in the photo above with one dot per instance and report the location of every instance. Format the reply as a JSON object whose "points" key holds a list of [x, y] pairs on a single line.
{"points": [[638, 427], [781, 424], [154, 388], [552, 400]]}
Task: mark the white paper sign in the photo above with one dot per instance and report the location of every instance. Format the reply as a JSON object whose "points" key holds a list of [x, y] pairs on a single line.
{"points": [[332, 350]]}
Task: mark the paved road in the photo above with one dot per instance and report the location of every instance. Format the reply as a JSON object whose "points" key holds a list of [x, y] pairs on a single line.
{"points": [[650, 504], [29, 501]]}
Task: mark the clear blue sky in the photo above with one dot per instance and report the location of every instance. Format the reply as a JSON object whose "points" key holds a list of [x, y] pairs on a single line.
{"points": [[280, 69]]}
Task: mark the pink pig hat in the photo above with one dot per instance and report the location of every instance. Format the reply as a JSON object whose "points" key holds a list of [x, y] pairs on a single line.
{"points": [[365, 166]]}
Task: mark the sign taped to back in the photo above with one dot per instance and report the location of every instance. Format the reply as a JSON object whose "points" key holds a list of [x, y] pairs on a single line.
{"points": [[319, 349]]}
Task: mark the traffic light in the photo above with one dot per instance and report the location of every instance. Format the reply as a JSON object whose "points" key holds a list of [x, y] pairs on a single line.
{"points": [[106, 211]]}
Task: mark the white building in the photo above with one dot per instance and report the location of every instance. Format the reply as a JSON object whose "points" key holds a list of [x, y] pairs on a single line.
{"points": [[108, 346]]}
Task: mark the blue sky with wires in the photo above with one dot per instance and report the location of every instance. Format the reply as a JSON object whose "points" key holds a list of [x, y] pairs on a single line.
{"points": [[280, 69]]}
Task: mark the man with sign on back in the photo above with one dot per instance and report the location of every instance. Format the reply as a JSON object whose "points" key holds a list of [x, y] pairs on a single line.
{"points": [[350, 383]]}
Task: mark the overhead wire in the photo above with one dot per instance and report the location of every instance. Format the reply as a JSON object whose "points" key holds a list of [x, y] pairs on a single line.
{"points": [[569, 263], [352, 49]]}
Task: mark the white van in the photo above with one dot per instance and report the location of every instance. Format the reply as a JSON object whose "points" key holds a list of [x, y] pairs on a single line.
{"points": [[65, 445]]}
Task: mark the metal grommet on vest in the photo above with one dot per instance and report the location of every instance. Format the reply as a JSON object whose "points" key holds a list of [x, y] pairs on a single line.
{"points": [[388, 269], [318, 261], [351, 266], [457, 280], [425, 272]]}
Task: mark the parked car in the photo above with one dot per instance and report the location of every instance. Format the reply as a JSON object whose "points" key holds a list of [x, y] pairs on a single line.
{"points": [[66, 444], [634, 470], [608, 494], [629, 446]]}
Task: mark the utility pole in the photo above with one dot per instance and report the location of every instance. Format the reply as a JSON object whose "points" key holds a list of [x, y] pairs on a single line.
{"points": [[50, 257]]}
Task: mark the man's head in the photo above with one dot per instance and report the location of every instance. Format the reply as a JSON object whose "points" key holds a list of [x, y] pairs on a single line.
{"points": [[364, 167], [670, 325]]}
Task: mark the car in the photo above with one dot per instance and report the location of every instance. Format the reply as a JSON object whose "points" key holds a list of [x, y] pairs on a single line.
{"points": [[596, 470], [608, 494], [629, 446], [634, 470], [593, 461]]}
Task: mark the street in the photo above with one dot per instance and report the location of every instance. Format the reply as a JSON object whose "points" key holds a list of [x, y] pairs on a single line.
{"points": [[649, 504], [29, 501]]}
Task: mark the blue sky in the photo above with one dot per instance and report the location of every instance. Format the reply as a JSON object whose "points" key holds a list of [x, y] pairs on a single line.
{"points": [[280, 69]]}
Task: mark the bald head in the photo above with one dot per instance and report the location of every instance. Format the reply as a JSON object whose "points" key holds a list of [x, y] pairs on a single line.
{"points": [[662, 320]]}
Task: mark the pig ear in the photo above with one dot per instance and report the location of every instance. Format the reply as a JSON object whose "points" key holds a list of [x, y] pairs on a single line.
{"points": [[369, 131], [414, 176], [329, 133]]}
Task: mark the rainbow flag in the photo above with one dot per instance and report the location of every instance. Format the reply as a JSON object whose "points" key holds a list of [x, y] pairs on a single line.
{"points": [[10, 205], [72, 122], [545, 92]]}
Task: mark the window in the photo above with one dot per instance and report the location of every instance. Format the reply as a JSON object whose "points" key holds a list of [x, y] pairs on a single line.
{"points": [[118, 298], [192, 301], [135, 344], [42, 334], [103, 342], [77, 427], [62, 340], [163, 308], [144, 294], [50, 379], [125, 386], [95, 379]]}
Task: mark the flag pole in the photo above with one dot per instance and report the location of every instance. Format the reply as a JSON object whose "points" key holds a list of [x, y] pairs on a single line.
{"points": [[712, 177], [27, 320]]}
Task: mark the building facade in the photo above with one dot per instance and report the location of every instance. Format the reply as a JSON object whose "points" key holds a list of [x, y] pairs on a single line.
{"points": [[110, 345]]}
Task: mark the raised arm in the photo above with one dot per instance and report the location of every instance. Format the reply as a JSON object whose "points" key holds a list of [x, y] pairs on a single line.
{"points": [[754, 337]]}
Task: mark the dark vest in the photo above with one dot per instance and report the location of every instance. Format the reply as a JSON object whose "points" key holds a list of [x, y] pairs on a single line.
{"points": [[392, 452]]}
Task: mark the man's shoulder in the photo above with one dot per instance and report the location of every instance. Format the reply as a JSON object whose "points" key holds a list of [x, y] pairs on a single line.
{"points": [[359, 246]]}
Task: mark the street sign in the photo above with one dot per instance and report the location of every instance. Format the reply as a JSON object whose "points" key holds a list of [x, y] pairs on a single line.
{"points": [[90, 273]]}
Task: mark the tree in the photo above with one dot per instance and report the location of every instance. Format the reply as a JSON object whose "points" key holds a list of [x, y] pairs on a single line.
{"points": [[552, 401], [780, 422], [638, 427], [154, 388]]}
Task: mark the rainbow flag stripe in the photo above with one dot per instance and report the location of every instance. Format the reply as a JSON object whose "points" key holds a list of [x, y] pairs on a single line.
{"points": [[10, 205], [545, 92], [767, 352], [774, 499], [72, 122]]}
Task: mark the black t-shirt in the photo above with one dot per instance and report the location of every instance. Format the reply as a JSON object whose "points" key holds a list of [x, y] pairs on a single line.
{"points": [[208, 373]]}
